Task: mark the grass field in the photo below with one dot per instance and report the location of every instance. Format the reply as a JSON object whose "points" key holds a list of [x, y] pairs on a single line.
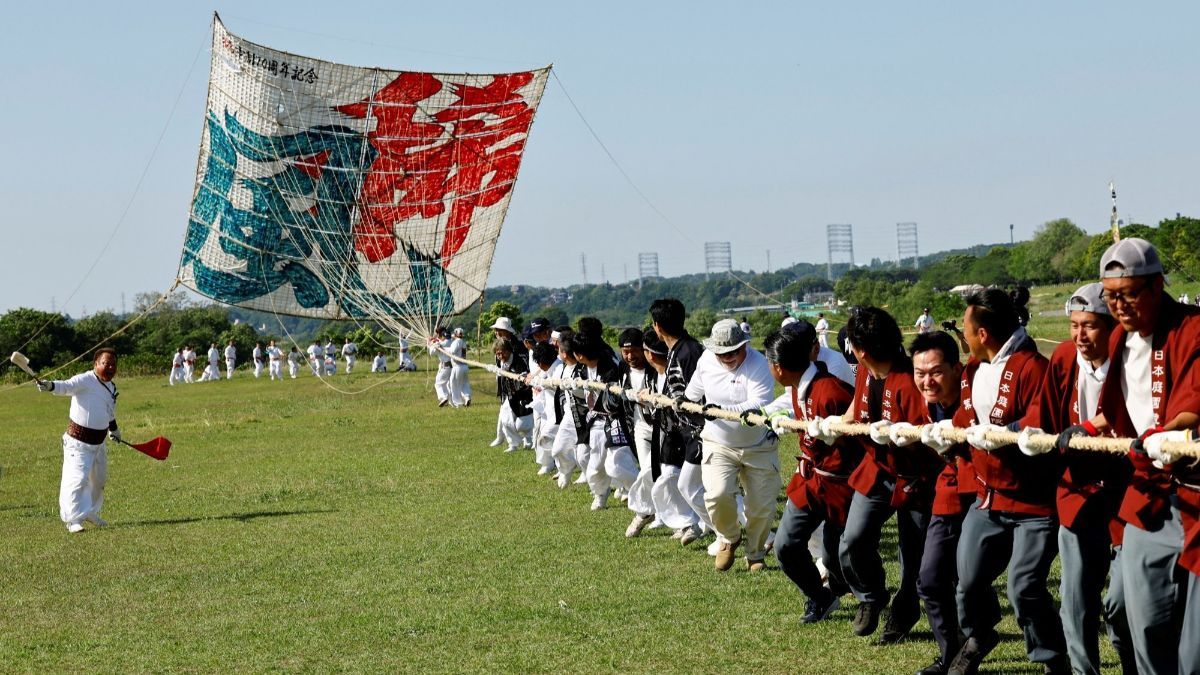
{"points": [[297, 528]]}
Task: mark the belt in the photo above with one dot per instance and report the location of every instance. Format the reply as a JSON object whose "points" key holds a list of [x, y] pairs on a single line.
{"points": [[85, 435], [447, 364]]}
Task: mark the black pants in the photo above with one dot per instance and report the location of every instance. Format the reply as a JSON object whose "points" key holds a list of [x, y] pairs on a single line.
{"points": [[937, 583], [791, 550]]}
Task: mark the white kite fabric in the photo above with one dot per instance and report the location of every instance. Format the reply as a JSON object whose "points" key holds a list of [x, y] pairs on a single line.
{"points": [[339, 192]]}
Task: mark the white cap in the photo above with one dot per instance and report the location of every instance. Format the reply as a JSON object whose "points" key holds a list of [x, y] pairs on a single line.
{"points": [[504, 324], [726, 336]]}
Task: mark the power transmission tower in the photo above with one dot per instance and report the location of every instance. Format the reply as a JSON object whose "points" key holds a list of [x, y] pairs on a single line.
{"points": [[583, 266], [840, 239], [906, 243], [647, 266], [718, 257]]}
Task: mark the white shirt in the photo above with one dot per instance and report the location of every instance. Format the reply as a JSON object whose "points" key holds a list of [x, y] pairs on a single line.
{"points": [[784, 402], [315, 351], [257, 354], [93, 402], [1135, 380], [458, 347], [230, 352], [214, 355], [379, 364], [189, 355], [822, 326], [985, 388], [177, 360], [293, 357], [330, 350], [1090, 381], [275, 353], [750, 386], [637, 382], [349, 349], [924, 323], [836, 364]]}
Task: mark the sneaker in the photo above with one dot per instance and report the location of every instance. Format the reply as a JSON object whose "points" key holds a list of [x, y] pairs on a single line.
{"points": [[755, 565], [895, 630], [511, 448], [725, 554], [714, 547], [973, 652], [819, 610], [496, 443], [866, 620], [655, 524], [690, 534], [443, 403], [563, 481], [467, 404], [581, 480], [75, 528], [677, 534], [600, 502], [96, 520], [636, 525], [544, 471], [619, 493], [938, 667]]}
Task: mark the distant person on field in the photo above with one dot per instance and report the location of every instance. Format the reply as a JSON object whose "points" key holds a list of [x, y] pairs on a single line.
{"points": [[350, 353], [274, 361], [316, 357], [293, 358], [822, 330], [176, 368], [230, 360], [924, 322], [379, 365], [257, 356]]}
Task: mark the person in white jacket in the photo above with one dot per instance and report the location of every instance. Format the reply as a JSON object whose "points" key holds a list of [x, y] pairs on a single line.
{"points": [[350, 353], [274, 361], [176, 368], [92, 419], [257, 356], [460, 383], [438, 346], [230, 360], [211, 374]]}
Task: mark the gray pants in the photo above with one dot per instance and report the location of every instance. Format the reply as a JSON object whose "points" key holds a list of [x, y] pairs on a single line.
{"points": [[1025, 544], [1154, 590], [859, 552], [791, 550], [1189, 646], [1086, 561]]}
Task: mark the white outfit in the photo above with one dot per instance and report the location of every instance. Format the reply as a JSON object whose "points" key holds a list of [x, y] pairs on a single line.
{"points": [[836, 364], [734, 453], [275, 362], [189, 364], [257, 355], [1136, 380], [822, 332], [405, 361], [460, 385], [316, 358], [924, 323], [230, 361], [350, 353], [330, 351], [544, 424], [641, 500], [330, 365], [211, 373], [379, 365], [176, 369], [85, 466], [669, 503], [293, 363], [441, 382]]}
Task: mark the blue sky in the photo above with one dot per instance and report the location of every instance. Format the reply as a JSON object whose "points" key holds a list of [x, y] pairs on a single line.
{"points": [[755, 125]]}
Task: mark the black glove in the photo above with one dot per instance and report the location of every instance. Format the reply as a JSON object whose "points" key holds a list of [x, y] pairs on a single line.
{"points": [[746, 416], [677, 403], [45, 385], [708, 408], [1063, 442]]}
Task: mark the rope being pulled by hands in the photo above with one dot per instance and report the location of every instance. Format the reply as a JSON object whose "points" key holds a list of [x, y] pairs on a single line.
{"points": [[1040, 442]]}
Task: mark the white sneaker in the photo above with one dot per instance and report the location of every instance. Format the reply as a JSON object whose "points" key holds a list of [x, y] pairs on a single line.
{"points": [[74, 528], [655, 524], [599, 502], [679, 533], [714, 547], [619, 493], [581, 480], [689, 535], [511, 448], [564, 479], [96, 520], [544, 471], [496, 443], [638, 524]]}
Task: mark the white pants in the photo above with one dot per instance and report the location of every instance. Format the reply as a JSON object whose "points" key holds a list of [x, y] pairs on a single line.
{"points": [[316, 366], [756, 468], [257, 369], [544, 444], [620, 466], [293, 368], [460, 385], [85, 470], [641, 499], [275, 368], [563, 448], [229, 366], [176, 376], [187, 372], [823, 339], [598, 479], [516, 429], [441, 384], [349, 363], [691, 487], [669, 503], [210, 373]]}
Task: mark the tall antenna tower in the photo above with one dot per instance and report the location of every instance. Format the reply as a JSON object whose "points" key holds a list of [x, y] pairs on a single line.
{"points": [[906, 244], [718, 257], [583, 266], [840, 239], [647, 266], [1115, 222]]}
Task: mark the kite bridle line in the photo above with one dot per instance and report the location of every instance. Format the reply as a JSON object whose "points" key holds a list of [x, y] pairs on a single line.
{"points": [[1115, 446]]}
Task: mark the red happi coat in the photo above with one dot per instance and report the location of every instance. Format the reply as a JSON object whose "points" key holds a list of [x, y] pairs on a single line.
{"points": [[1090, 480], [820, 483], [1007, 479], [910, 471], [1175, 375]]}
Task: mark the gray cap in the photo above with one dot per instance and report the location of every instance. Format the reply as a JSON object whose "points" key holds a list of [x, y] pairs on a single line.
{"points": [[1087, 298], [1130, 258], [726, 336]]}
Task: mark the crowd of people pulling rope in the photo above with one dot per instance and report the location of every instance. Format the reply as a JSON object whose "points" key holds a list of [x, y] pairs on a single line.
{"points": [[1002, 463]]}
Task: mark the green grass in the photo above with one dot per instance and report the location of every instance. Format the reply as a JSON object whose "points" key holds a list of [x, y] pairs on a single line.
{"points": [[296, 528]]}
